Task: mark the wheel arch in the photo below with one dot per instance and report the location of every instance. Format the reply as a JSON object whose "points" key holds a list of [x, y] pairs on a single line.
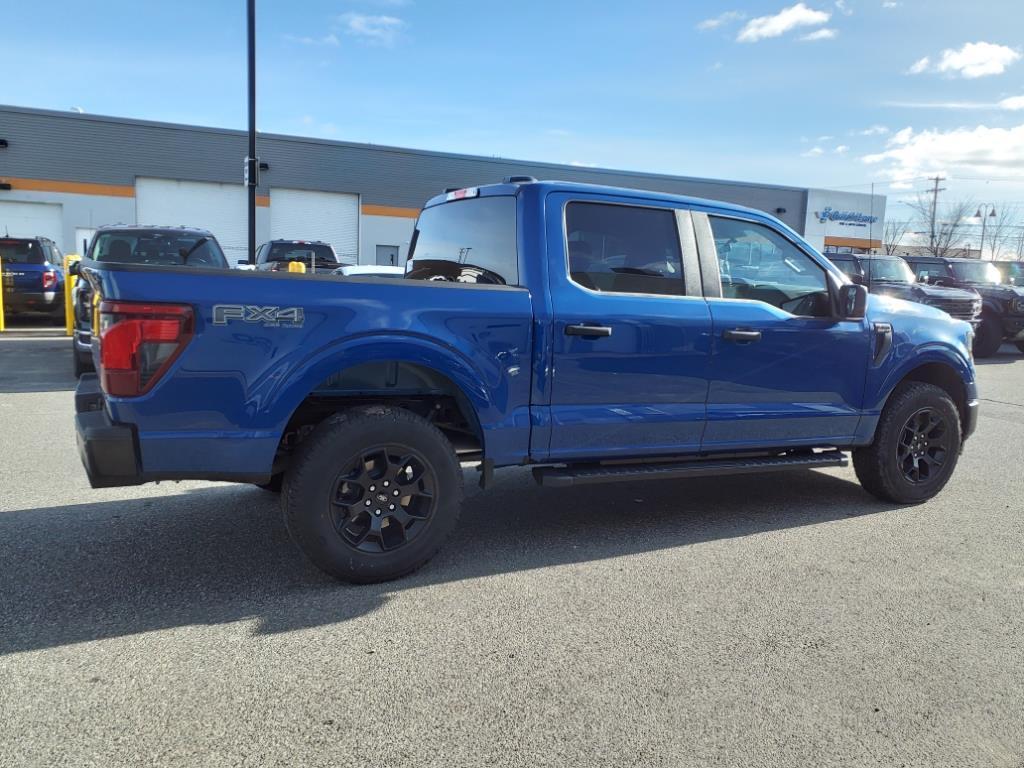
{"points": [[405, 370], [941, 369]]}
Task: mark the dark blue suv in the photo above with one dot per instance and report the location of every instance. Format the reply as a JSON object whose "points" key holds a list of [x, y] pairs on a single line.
{"points": [[33, 276]]}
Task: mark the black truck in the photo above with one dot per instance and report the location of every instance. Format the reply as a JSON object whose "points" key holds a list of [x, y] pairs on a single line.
{"points": [[1002, 312], [891, 276]]}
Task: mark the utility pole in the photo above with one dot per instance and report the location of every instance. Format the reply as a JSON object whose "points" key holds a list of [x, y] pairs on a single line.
{"points": [[252, 163], [935, 206]]}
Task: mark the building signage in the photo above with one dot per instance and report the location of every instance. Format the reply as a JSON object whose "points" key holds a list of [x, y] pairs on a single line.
{"points": [[850, 218]]}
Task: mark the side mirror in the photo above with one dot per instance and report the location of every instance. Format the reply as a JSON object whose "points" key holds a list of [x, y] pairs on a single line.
{"points": [[853, 302], [74, 268]]}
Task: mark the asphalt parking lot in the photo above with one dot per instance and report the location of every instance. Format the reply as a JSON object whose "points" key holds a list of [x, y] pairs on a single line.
{"points": [[779, 620]]}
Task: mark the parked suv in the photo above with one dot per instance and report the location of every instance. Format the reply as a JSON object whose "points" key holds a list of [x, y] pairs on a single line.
{"points": [[131, 244], [1002, 313], [33, 276], [890, 276], [318, 256]]}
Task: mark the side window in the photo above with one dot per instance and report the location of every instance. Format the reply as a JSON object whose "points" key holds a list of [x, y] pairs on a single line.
{"points": [[624, 249], [757, 263], [927, 272], [848, 266]]}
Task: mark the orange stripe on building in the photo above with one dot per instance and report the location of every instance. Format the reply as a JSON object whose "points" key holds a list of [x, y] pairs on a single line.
{"points": [[263, 201], [70, 187], [390, 210], [852, 242]]}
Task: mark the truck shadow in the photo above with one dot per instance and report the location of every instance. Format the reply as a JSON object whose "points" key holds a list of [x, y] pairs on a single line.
{"points": [[221, 554], [1007, 355]]}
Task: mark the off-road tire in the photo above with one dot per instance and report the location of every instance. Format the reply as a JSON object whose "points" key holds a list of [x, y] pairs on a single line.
{"points": [[989, 337], [311, 486], [878, 466]]}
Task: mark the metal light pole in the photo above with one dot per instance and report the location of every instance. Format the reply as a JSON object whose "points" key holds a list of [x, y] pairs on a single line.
{"points": [[984, 217], [252, 163]]}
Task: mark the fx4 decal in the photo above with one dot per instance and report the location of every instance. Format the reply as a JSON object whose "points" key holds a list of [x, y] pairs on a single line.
{"points": [[272, 317]]}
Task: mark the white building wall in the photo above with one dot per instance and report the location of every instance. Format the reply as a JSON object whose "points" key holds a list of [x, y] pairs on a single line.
{"points": [[384, 230], [79, 211]]}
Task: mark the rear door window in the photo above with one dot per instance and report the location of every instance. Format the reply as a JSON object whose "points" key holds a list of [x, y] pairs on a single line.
{"points": [[624, 249], [466, 241]]}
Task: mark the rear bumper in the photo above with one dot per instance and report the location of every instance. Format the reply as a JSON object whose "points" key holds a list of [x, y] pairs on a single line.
{"points": [[34, 301], [109, 451]]}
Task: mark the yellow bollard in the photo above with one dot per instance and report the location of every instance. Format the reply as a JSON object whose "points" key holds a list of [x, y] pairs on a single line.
{"points": [[69, 287], [3, 287], [297, 266]]}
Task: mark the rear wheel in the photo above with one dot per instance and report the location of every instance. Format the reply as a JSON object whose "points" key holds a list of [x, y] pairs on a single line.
{"points": [[372, 494], [989, 337], [916, 448]]}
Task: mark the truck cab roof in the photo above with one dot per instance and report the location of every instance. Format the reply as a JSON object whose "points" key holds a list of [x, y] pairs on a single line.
{"points": [[512, 188]]}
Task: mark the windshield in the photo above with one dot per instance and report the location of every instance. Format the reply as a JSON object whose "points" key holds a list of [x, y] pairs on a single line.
{"points": [[976, 272], [466, 241], [891, 270], [154, 247], [1013, 272], [21, 252], [304, 252]]}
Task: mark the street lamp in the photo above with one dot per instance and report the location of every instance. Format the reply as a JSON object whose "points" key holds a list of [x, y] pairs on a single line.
{"points": [[984, 217]]}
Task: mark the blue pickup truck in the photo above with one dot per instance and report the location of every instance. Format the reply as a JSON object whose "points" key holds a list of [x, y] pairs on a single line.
{"points": [[593, 333]]}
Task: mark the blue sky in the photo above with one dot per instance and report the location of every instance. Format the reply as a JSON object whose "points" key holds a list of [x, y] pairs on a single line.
{"points": [[834, 94]]}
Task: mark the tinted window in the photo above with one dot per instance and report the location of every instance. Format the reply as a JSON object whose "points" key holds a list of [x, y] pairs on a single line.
{"points": [[976, 272], [304, 252], [21, 252], [848, 266], [891, 270], [466, 241], [758, 263], [925, 271], [624, 249], [155, 247]]}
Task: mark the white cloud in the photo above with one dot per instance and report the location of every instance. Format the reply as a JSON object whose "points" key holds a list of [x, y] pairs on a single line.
{"points": [[1013, 103], [909, 154], [890, 4], [581, 164], [825, 33], [378, 30], [825, 138], [844, 8], [784, 21], [721, 20], [813, 152], [842, 149], [874, 130], [971, 61], [329, 40]]}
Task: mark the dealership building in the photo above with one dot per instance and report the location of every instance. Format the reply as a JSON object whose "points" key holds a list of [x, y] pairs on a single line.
{"points": [[62, 174]]}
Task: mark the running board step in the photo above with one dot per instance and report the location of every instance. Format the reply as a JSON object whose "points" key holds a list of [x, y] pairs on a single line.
{"points": [[562, 477]]}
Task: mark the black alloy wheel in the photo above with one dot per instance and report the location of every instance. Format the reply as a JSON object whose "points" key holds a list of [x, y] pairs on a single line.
{"points": [[924, 446], [383, 499]]}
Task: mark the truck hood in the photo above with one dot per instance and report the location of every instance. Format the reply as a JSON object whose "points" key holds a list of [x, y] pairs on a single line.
{"points": [[884, 307], [944, 292]]}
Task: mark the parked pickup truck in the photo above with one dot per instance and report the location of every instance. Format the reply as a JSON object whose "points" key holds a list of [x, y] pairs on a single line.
{"points": [[593, 333]]}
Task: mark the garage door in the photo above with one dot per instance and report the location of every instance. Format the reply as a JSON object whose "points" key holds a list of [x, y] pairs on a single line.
{"points": [[32, 220], [329, 216], [220, 208]]}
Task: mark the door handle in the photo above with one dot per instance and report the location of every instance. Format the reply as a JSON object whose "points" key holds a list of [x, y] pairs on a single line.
{"points": [[742, 335], [588, 330]]}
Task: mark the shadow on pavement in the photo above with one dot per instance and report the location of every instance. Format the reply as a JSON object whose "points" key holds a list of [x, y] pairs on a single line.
{"points": [[1006, 355], [35, 364], [221, 554]]}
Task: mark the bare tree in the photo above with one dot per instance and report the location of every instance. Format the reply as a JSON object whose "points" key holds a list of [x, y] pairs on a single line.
{"points": [[893, 235], [1001, 231], [944, 225]]}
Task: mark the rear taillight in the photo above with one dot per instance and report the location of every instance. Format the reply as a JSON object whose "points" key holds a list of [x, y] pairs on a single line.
{"points": [[138, 343], [49, 280]]}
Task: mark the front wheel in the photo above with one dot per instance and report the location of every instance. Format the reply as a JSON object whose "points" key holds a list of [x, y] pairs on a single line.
{"points": [[989, 337], [372, 494], [916, 448]]}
